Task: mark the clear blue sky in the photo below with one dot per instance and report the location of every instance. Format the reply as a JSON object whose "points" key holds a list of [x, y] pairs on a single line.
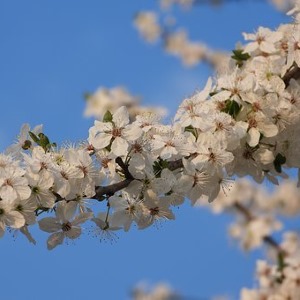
{"points": [[51, 53]]}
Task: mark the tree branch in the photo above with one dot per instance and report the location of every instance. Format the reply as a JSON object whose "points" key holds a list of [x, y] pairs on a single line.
{"points": [[124, 168], [294, 72], [109, 190]]}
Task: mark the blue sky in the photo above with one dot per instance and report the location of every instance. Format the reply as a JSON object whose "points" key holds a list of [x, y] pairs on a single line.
{"points": [[51, 53]]}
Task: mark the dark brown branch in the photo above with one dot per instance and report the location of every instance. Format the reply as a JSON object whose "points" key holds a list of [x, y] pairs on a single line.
{"points": [[124, 168], [294, 72], [109, 190], [174, 165], [102, 192]]}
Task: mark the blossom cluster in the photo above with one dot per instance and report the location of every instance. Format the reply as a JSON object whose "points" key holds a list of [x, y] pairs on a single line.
{"points": [[258, 211], [104, 99], [244, 122], [278, 281], [177, 42], [153, 26]]}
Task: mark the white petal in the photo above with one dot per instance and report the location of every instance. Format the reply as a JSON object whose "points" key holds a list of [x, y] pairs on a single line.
{"points": [[50, 224], [121, 117], [69, 210], [83, 217], [253, 137], [23, 191], [268, 129], [14, 219], [119, 146], [7, 192], [55, 239], [73, 233], [132, 132], [101, 140]]}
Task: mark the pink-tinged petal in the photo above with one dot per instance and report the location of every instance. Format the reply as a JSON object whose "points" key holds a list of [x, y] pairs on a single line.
{"points": [[269, 129], [121, 219], [62, 187], [30, 217], [69, 210], [264, 156], [46, 181], [55, 239], [101, 140], [50, 224], [253, 137], [101, 127], [8, 193], [82, 218], [167, 152], [222, 96], [60, 212], [132, 132], [45, 199], [23, 191], [119, 146], [121, 117], [73, 233], [28, 235], [267, 47], [275, 37], [249, 36], [14, 219], [251, 47]]}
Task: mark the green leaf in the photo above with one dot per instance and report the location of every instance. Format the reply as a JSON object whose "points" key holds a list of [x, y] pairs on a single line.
{"points": [[278, 162], [34, 137], [191, 129], [232, 108], [44, 140], [280, 261], [240, 57], [107, 117], [158, 166]]}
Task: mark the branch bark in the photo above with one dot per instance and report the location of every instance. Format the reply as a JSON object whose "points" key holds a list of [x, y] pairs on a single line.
{"points": [[294, 72]]}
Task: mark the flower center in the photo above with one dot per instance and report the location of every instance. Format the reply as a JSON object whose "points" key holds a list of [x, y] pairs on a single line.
{"points": [[154, 211], [252, 123], [116, 132], [66, 226]]}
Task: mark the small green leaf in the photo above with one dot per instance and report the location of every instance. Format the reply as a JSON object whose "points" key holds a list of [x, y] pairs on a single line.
{"points": [[34, 137], [107, 117], [278, 162], [240, 57], [158, 166], [232, 108], [191, 129], [44, 140], [280, 260]]}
